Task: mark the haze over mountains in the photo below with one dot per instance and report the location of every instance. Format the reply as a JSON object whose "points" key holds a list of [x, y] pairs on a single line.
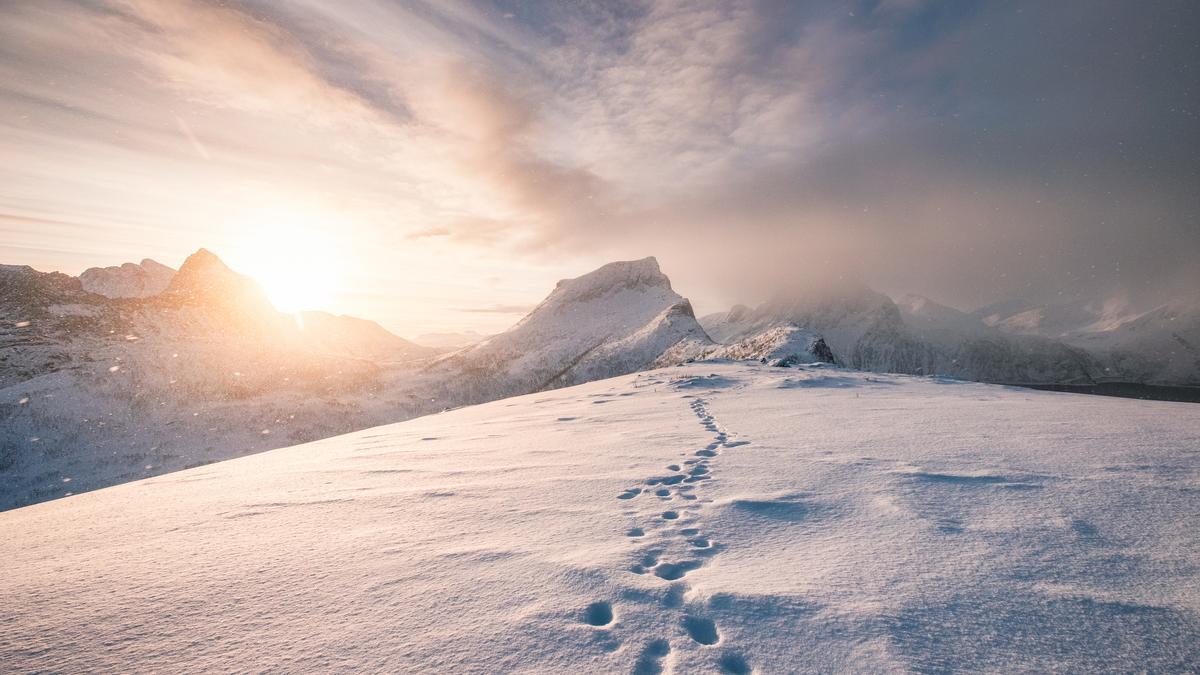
{"points": [[132, 371]]}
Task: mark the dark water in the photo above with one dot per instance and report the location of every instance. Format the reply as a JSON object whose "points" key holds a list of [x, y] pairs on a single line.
{"points": [[1149, 392]]}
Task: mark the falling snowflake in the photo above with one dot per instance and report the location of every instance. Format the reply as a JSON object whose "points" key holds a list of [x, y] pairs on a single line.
{"points": [[114, 369]]}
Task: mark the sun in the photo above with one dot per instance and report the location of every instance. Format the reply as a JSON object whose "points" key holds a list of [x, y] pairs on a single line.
{"points": [[299, 265]]}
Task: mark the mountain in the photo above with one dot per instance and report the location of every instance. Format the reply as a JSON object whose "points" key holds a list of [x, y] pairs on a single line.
{"points": [[1055, 320], [129, 280], [708, 518], [865, 329], [926, 316], [1161, 346], [618, 319], [360, 338]]}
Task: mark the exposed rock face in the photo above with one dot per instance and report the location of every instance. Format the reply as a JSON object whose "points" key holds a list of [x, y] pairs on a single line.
{"points": [[130, 280]]}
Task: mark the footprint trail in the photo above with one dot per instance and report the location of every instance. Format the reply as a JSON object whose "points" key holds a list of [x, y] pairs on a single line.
{"points": [[675, 545]]}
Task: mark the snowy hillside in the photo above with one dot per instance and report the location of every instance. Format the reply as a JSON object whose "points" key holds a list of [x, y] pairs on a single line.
{"points": [[130, 280], [705, 518]]}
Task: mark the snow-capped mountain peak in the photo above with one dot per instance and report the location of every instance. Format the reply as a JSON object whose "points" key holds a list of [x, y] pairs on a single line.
{"points": [[617, 319], [611, 278]]}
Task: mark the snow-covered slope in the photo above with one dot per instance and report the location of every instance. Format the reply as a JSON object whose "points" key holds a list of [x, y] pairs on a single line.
{"points": [[618, 319], [706, 518], [131, 280]]}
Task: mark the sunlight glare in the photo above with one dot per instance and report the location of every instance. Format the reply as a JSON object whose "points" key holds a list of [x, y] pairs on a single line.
{"points": [[298, 263]]}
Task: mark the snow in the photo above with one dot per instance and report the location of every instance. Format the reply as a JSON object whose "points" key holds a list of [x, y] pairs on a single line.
{"points": [[811, 519]]}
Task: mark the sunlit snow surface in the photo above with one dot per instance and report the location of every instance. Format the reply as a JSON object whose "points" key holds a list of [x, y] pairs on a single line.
{"points": [[695, 519]]}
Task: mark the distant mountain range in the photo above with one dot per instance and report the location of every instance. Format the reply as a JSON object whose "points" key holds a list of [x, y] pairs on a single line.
{"points": [[1014, 342], [132, 371]]}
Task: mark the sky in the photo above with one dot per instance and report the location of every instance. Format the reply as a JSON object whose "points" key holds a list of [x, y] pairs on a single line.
{"points": [[440, 165]]}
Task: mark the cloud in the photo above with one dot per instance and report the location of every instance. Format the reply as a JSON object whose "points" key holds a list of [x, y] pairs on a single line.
{"points": [[965, 150]]}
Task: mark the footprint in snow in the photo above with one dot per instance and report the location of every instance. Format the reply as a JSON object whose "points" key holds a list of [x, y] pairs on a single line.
{"points": [[630, 493], [733, 663], [650, 661], [598, 614], [674, 571], [701, 630]]}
